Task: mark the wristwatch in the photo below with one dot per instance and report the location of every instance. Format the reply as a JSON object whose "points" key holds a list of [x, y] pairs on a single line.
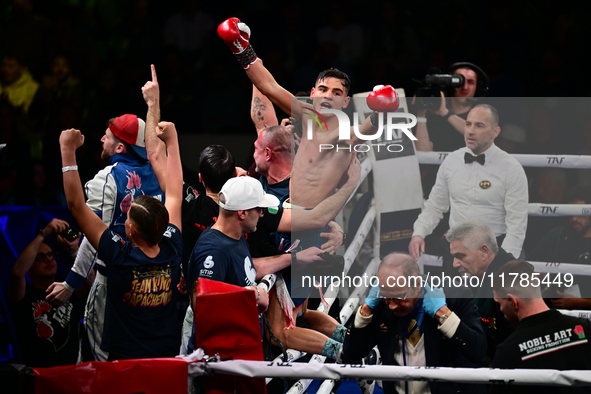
{"points": [[444, 317], [41, 233]]}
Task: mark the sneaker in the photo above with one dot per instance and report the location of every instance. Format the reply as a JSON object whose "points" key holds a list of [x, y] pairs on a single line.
{"points": [[373, 358]]}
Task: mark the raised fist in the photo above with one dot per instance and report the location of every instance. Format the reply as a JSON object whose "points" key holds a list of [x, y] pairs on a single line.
{"points": [[383, 99], [71, 139], [235, 34]]}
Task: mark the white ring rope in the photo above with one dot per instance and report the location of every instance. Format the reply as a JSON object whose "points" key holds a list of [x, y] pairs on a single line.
{"points": [[353, 251], [257, 369], [560, 161], [582, 314], [366, 167], [301, 385], [555, 268], [540, 209]]}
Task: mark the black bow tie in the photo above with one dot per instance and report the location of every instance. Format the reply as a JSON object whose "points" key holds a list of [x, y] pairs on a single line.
{"points": [[468, 158]]}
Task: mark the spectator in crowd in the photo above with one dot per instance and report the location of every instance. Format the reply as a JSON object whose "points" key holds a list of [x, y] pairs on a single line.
{"points": [[110, 195], [570, 243], [48, 335], [479, 182], [17, 85], [475, 252], [543, 338], [140, 314], [414, 325], [60, 91]]}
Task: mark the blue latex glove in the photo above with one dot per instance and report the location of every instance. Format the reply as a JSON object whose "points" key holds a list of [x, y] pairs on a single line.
{"points": [[372, 299], [434, 300]]}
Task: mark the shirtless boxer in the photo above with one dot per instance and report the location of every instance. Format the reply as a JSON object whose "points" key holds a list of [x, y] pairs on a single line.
{"points": [[315, 174]]}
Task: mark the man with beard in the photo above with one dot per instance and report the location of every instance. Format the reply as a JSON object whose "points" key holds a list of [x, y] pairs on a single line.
{"points": [[110, 194]]}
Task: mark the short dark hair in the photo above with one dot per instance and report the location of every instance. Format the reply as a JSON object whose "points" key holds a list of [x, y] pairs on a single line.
{"points": [[150, 218], [335, 73], [579, 192], [493, 111], [216, 166]]}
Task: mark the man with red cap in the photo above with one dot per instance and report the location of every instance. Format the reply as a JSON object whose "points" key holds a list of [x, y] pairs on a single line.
{"points": [[110, 194]]}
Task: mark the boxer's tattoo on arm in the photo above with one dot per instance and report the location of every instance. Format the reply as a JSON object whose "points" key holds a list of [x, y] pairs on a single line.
{"points": [[258, 108]]}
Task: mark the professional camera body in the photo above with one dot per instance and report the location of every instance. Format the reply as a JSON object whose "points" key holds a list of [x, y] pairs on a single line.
{"points": [[70, 234], [436, 82], [432, 86]]}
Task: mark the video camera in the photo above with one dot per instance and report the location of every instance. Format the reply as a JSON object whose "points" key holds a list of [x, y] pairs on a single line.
{"points": [[432, 86]]}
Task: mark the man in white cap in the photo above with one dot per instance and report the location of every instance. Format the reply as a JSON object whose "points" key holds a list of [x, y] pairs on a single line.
{"points": [[109, 194], [222, 253]]}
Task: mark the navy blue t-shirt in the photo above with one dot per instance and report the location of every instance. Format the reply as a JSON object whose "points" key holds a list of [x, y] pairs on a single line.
{"points": [[140, 318], [219, 257], [279, 189]]}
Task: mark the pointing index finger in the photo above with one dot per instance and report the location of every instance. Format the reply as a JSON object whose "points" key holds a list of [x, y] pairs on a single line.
{"points": [[154, 78]]}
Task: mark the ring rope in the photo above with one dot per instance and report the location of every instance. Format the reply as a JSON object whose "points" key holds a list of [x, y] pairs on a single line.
{"points": [[311, 371], [540, 209], [560, 161]]}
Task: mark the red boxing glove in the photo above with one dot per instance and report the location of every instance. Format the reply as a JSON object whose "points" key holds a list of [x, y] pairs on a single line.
{"points": [[236, 36], [383, 99]]}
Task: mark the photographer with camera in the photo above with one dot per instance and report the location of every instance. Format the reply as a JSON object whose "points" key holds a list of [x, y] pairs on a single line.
{"points": [[447, 117], [48, 335]]}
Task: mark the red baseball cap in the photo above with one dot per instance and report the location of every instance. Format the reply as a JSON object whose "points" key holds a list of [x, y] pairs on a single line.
{"points": [[131, 129]]}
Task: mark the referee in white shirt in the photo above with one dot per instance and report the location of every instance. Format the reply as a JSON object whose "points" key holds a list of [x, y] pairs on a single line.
{"points": [[478, 182]]}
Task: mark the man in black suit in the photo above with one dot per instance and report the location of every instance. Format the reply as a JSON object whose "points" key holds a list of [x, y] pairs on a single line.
{"points": [[435, 331]]}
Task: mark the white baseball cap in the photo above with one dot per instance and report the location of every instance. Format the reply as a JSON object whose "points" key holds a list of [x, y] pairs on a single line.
{"points": [[243, 193]]}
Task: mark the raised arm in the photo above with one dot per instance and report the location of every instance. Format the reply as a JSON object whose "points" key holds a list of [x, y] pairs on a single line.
{"points": [[237, 36], [18, 283], [155, 148], [174, 173], [92, 226], [262, 112]]}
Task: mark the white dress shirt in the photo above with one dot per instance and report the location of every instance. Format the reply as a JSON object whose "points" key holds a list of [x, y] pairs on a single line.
{"points": [[495, 193]]}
